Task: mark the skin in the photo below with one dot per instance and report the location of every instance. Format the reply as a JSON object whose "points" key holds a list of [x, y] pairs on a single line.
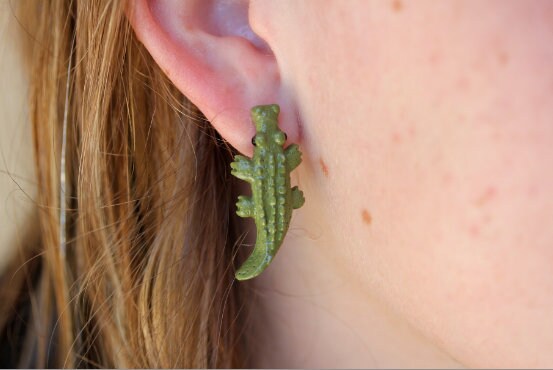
{"points": [[427, 139], [272, 200], [428, 159]]}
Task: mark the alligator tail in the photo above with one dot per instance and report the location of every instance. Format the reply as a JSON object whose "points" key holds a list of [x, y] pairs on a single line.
{"points": [[256, 263]]}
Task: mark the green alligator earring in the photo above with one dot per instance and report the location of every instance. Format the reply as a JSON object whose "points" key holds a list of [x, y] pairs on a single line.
{"points": [[272, 200]]}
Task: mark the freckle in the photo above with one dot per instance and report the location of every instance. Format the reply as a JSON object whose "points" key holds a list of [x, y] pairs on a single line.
{"points": [[435, 58], [463, 84], [488, 194], [497, 135], [474, 230], [503, 58], [532, 191], [324, 167], [397, 6], [412, 131], [396, 137], [447, 178], [367, 219], [312, 80]]}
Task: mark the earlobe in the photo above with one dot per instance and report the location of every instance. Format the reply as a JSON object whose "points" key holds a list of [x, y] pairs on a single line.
{"points": [[208, 50]]}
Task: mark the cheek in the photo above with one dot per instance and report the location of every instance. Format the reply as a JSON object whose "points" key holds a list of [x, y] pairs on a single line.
{"points": [[466, 247], [454, 228], [434, 163]]}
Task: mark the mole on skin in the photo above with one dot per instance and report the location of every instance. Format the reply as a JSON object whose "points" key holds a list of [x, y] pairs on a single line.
{"points": [[397, 6], [367, 219]]}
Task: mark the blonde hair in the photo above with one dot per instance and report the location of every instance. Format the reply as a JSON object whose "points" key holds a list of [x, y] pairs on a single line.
{"points": [[147, 276]]}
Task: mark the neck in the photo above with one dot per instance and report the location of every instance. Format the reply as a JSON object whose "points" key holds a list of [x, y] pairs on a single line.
{"points": [[310, 314]]}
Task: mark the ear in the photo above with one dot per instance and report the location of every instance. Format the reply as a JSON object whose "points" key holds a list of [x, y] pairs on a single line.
{"points": [[209, 51]]}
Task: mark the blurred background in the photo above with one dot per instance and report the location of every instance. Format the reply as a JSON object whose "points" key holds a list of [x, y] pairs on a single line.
{"points": [[17, 185]]}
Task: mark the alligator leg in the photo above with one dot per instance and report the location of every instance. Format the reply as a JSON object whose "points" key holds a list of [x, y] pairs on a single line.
{"points": [[242, 168], [297, 198], [244, 206], [293, 156]]}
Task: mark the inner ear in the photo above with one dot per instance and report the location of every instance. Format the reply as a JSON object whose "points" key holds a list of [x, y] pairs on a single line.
{"points": [[209, 51], [231, 18]]}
